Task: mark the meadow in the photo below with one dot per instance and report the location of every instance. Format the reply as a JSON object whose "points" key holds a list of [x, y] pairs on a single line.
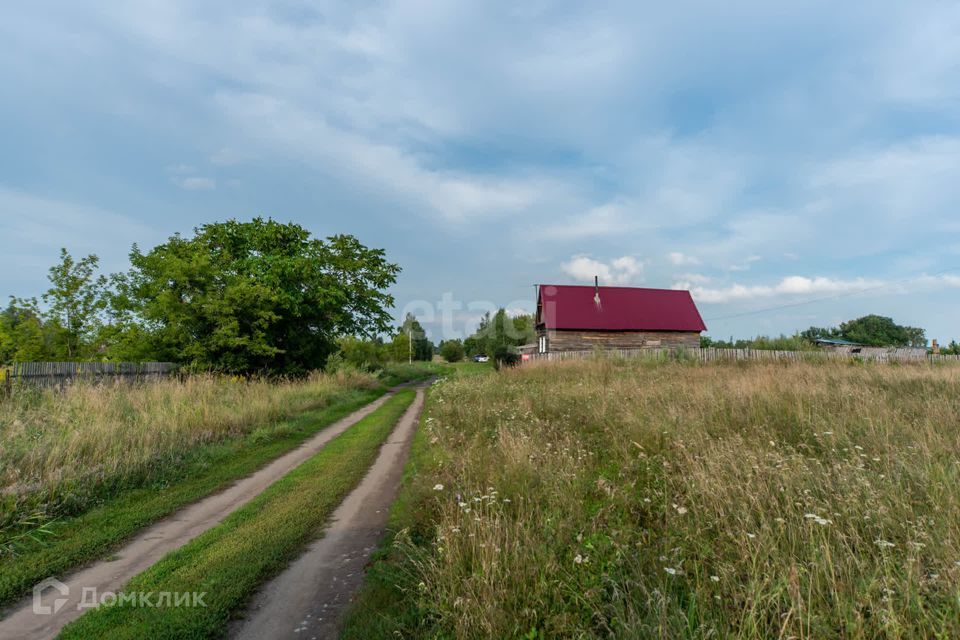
{"points": [[623, 499], [60, 450]]}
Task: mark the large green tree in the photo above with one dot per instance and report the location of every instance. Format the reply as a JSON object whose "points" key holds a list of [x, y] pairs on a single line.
{"points": [[258, 295], [881, 331]]}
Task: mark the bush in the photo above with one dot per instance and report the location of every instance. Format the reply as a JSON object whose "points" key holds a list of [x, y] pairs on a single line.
{"points": [[452, 351], [505, 356]]}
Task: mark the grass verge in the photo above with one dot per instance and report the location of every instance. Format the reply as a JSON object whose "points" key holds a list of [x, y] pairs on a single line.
{"points": [[74, 541], [229, 561]]}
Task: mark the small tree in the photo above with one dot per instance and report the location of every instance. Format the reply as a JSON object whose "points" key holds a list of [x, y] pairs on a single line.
{"points": [[75, 300], [951, 349], [401, 348], [452, 350], [363, 354], [23, 335]]}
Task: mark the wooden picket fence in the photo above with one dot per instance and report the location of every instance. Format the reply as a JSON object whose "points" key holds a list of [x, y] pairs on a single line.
{"points": [[712, 354], [46, 374]]}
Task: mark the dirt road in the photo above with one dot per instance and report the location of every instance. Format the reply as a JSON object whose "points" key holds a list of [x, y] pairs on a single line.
{"points": [[306, 600], [153, 543]]}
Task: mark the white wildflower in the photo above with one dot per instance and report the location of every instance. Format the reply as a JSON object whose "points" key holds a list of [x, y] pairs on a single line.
{"points": [[883, 543], [817, 519], [438, 487], [670, 570], [715, 578], [578, 559]]}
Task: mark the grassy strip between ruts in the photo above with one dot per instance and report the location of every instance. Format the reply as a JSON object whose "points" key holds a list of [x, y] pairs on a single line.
{"points": [[211, 468], [229, 561]]}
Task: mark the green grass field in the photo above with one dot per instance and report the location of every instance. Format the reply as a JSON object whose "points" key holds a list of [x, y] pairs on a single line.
{"points": [[621, 499], [229, 561]]}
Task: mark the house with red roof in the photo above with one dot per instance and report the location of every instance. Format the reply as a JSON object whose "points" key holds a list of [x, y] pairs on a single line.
{"points": [[577, 318]]}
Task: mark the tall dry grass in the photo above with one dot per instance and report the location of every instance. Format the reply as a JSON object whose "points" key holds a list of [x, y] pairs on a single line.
{"points": [[60, 449], [618, 499]]}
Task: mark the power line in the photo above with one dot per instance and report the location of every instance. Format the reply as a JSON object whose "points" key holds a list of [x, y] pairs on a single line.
{"points": [[833, 297]]}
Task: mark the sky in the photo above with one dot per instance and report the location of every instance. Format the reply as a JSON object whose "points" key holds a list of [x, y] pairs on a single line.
{"points": [[791, 163]]}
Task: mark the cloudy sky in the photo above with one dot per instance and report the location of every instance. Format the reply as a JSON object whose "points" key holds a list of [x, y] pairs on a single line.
{"points": [[793, 163]]}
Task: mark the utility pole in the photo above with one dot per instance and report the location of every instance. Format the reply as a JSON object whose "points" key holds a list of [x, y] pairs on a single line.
{"points": [[410, 344]]}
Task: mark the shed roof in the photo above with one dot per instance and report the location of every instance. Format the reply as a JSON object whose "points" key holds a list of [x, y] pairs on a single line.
{"points": [[621, 309], [837, 342]]}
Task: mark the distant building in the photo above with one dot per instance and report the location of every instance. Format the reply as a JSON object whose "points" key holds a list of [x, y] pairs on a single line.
{"points": [[834, 343], [576, 318]]}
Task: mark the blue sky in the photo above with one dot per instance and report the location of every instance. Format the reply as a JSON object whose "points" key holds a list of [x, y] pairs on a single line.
{"points": [[764, 154]]}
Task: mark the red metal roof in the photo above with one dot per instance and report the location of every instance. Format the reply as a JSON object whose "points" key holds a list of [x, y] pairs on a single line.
{"points": [[621, 309]]}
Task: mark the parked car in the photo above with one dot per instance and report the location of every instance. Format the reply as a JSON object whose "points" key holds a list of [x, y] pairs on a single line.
{"points": [[480, 358]]}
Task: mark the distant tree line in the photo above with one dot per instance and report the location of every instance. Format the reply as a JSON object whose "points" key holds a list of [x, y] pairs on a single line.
{"points": [[408, 342], [499, 337], [870, 330], [235, 296]]}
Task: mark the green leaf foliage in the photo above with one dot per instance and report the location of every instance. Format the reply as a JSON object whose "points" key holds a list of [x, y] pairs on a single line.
{"points": [[255, 296]]}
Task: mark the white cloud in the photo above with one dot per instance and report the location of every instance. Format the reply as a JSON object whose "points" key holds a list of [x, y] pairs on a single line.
{"points": [[689, 280], [34, 227], [449, 194], [195, 183], [603, 220], [806, 286], [939, 282], [623, 270], [745, 265], [679, 259], [791, 285]]}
